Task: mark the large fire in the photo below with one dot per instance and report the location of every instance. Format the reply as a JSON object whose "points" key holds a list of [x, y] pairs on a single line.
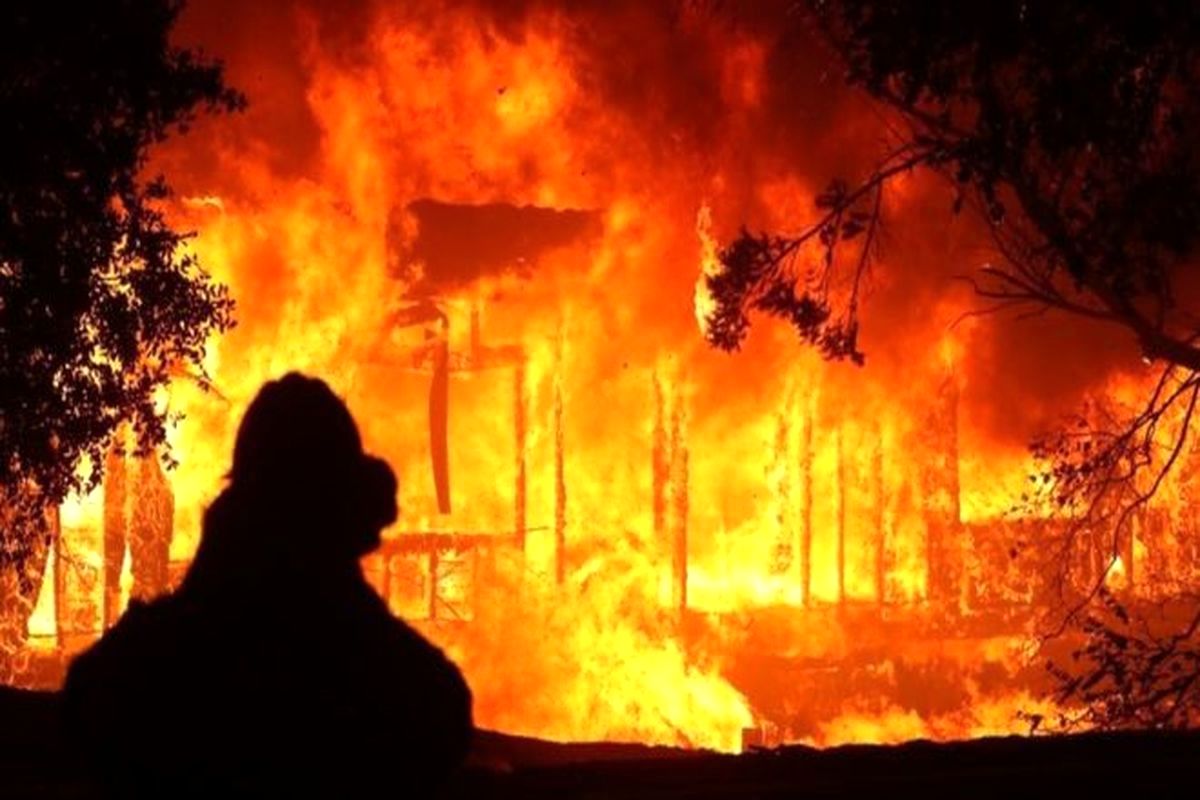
{"points": [[490, 225]]}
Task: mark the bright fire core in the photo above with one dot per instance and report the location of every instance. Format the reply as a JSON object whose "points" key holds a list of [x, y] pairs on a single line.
{"points": [[633, 537]]}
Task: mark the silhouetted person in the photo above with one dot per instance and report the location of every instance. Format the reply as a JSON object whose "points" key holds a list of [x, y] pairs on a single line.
{"points": [[275, 668]]}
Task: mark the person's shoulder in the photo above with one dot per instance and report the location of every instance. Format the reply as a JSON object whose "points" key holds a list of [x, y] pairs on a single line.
{"points": [[401, 639], [372, 612], [163, 616], [144, 629]]}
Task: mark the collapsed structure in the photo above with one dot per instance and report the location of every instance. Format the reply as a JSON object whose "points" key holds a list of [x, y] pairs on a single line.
{"points": [[482, 231], [859, 559]]}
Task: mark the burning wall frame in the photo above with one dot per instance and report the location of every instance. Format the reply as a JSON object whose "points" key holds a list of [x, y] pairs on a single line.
{"points": [[449, 554]]}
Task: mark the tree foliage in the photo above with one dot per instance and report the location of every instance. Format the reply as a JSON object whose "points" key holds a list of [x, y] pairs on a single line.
{"points": [[1132, 670], [1072, 131], [1071, 128], [98, 304]]}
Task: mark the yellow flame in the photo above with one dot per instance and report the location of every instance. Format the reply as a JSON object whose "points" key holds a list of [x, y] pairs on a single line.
{"points": [[710, 265]]}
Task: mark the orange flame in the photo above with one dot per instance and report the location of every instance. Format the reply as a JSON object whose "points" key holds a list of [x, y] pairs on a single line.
{"points": [[649, 540]]}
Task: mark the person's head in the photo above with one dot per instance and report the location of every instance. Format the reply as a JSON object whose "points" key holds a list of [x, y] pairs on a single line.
{"points": [[298, 454]]}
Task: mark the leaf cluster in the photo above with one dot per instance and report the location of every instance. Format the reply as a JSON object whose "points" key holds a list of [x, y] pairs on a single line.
{"points": [[99, 303]]}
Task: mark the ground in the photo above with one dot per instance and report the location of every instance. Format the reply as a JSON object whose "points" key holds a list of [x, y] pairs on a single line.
{"points": [[1144, 765]]}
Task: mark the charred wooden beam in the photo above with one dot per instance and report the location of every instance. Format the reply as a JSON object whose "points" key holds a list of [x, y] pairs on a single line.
{"points": [[881, 565], [151, 526], [433, 584], [944, 547], [456, 244], [115, 532], [679, 509], [484, 357], [520, 434], [560, 481], [841, 517], [1127, 556], [806, 494], [436, 350], [439, 416], [660, 464], [784, 551], [422, 542], [61, 587], [474, 342]]}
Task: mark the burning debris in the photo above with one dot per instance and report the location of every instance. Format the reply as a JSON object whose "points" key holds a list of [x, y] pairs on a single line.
{"points": [[454, 248], [458, 244]]}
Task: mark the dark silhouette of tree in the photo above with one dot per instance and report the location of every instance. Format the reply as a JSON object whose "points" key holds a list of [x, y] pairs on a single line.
{"points": [[1071, 130], [1133, 670], [97, 303], [1070, 127]]}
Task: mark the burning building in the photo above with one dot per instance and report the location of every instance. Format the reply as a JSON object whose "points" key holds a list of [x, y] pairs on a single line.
{"points": [[484, 225]]}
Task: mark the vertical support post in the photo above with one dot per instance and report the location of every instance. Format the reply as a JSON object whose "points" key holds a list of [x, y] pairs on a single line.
{"points": [[679, 503], [880, 501], [560, 483], [433, 581], [114, 525], [476, 577], [385, 590], [1128, 558], [660, 464], [439, 414], [151, 527], [60, 578], [945, 550], [475, 342], [841, 517], [784, 552], [955, 481], [961, 587], [520, 435], [806, 491]]}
